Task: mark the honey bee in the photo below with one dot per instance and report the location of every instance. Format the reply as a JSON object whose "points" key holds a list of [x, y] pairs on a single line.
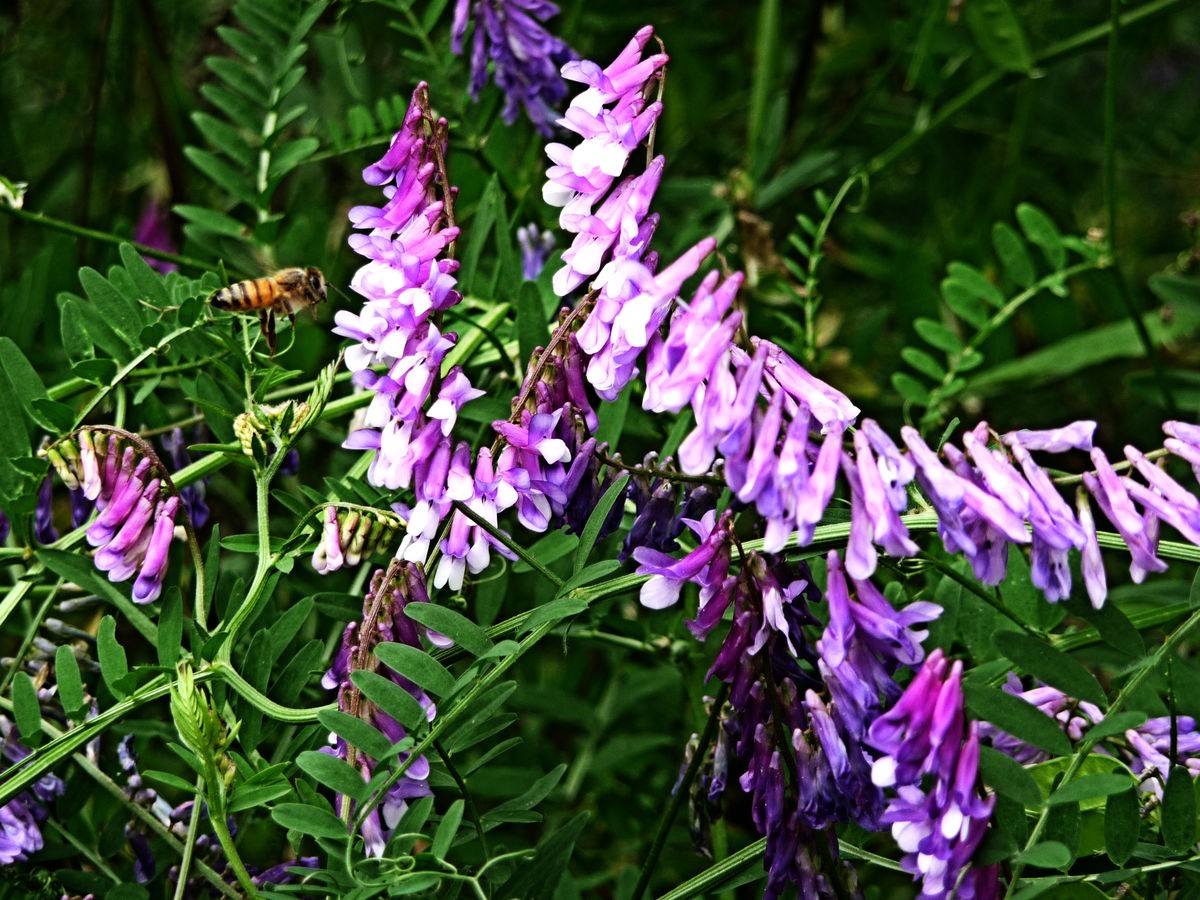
{"points": [[286, 291]]}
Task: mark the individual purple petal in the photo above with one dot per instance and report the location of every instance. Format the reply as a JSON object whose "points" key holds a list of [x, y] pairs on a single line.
{"points": [[1076, 436]]}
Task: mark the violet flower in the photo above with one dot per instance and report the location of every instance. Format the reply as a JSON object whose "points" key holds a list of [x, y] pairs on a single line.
{"points": [[153, 230], [192, 495], [536, 246], [20, 818], [136, 522], [938, 823], [525, 56], [390, 624]]}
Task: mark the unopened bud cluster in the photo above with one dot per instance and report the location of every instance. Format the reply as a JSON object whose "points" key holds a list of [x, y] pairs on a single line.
{"points": [[351, 535], [270, 424]]}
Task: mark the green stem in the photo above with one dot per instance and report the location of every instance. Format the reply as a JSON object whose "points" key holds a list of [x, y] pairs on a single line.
{"points": [[468, 799], [266, 559], [189, 844], [265, 704], [85, 852], [1147, 668], [680, 792], [221, 829], [107, 238], [30, 634], [127, 368], [703, 884], [812, 299]]}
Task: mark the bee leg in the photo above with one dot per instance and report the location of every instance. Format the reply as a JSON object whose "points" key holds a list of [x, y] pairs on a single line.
{"points": [[266, 321]]}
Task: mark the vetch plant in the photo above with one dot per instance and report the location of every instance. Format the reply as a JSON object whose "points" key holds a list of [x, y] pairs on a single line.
{"points": [[466, 565]]}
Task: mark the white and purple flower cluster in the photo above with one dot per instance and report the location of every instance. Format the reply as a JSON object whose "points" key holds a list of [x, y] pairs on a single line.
{"points": [[20, 834], [137, 512], [525, 56], [386, 622], [1147, 750], [931, 761]]}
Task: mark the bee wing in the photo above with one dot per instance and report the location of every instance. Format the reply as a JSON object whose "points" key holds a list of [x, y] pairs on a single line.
{"points": [[290, 279]]}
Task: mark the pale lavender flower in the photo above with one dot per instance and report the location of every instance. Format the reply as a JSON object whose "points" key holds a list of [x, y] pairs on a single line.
{"points": [[612, 117], [136, 523], [1138, 532], [536, 246], [699, 334], [525, 56]]}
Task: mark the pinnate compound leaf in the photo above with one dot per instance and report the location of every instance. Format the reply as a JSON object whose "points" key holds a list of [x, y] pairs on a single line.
{"points": [[70, 682], [1047, 855], [1013, 254], [335, 774], [458, 628], [447, 829], [27, 712], [391, 698], [923, 363], [938, 335], [1090, 787], [514, 810], [25, 381], [1008, 777], [973, 280], [356, 732], [1179, 811], [417, 666], [1040, 229], [595, 522], [910, 389], [314, 821], [1117, 723], [120, 312], [114, 666], [1122, 822], [1035, 657], [538, 880], [248, 796], [1017, 717]]}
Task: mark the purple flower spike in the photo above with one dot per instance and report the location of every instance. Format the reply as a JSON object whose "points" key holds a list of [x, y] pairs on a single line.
{"points": [[525, 56]]}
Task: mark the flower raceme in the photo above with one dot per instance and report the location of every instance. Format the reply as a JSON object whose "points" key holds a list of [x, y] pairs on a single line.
{"points": [[128, 485], [383, 620], [525, 56]]}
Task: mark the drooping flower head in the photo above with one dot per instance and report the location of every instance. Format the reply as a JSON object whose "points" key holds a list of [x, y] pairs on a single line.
{"points": [[525, 57], [126, 482]]}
